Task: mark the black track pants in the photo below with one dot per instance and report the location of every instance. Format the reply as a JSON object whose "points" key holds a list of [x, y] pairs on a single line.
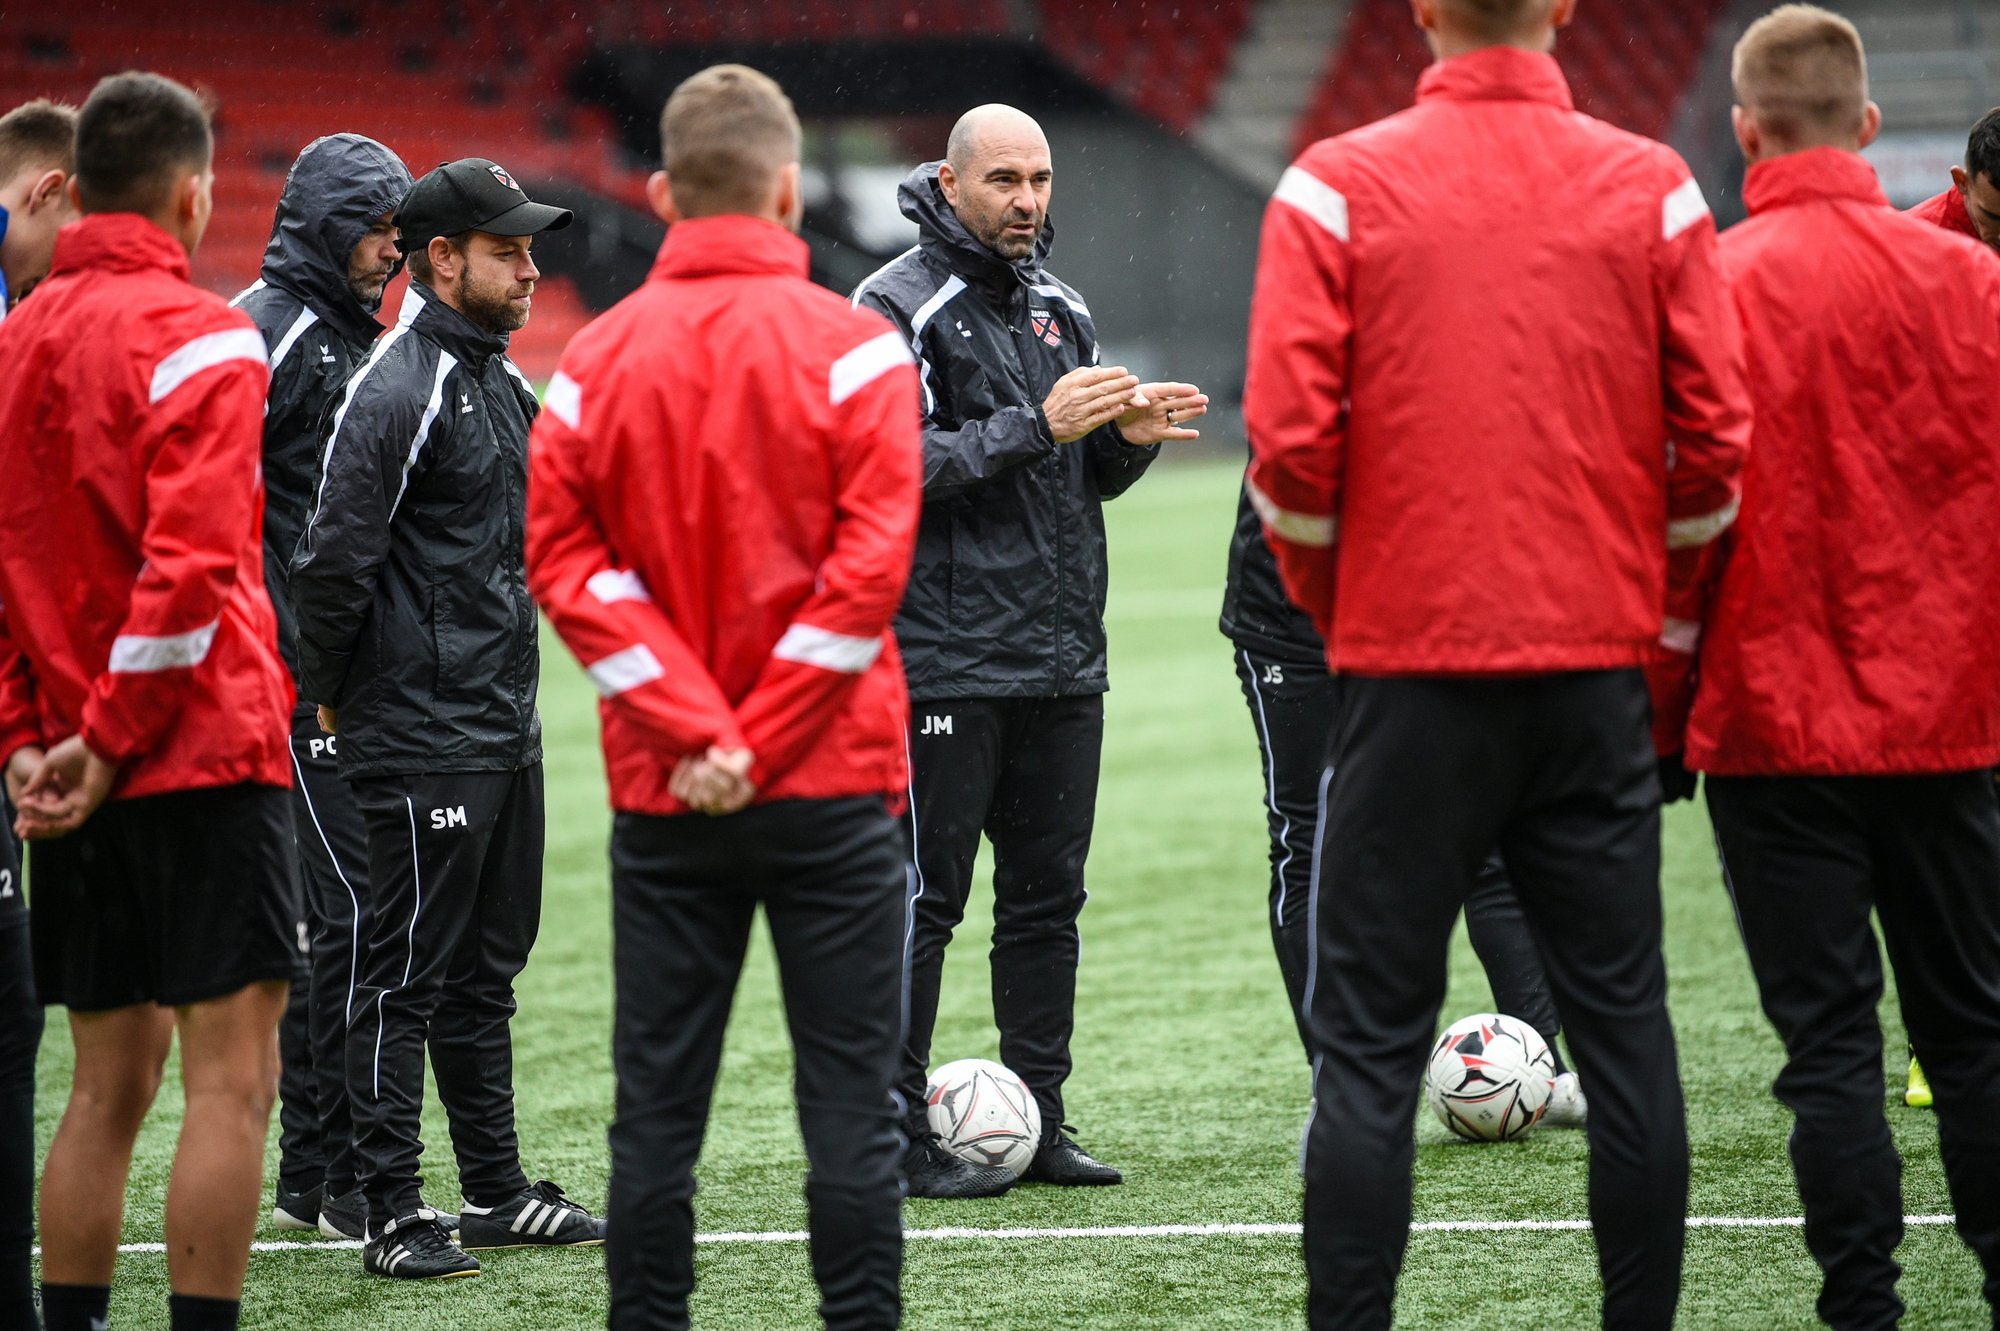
{"points": [[1806, 858], [685, 890], [1024, 772], [1429, 775], [316, 1140], [20, 1037], [1292, 705], [455, 870]]}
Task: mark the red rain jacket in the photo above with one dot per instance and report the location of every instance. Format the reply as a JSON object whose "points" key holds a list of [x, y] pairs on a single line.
{"points": [[131, 521], [1948, 211], [1478, 326], [723, 496], [1854, 632]]}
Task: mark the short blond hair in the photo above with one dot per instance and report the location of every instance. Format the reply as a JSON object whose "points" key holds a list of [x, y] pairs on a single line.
{"points": [[725, 134], [1802, 72], [40, 134]]}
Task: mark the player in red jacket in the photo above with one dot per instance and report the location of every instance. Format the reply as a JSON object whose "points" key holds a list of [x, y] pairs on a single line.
{"points": [[1848, 706], [723, 501], [143, 707], [1493, 380], [1971, 206]]}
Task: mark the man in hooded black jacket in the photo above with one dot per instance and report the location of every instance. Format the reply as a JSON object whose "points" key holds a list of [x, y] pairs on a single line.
{"points": [[331, 254], [1025, 435]]}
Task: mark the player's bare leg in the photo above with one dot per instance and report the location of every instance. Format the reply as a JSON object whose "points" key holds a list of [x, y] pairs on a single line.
{"points": [[119, 1057], [229, 1063]]}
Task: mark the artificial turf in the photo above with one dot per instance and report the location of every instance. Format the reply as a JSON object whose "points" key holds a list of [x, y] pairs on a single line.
{"points": [[1188, 1073]]}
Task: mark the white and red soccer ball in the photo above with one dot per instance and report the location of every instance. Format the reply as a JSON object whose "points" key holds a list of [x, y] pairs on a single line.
{"points": [[984, 1113], [1490, 1077]]}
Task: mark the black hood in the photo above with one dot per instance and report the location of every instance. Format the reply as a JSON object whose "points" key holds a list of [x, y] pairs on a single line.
{"points": [[334, 193], [921, 199]]}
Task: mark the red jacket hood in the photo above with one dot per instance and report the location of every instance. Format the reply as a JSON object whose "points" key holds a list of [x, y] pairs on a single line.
{"points": [[118, 242], [1497, 74], [730, 245], [1812, 176]]}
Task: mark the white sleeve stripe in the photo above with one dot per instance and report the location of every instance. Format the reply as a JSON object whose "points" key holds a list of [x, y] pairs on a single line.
{"points": [[205, 353], [141, 654], [617, 584], [1686, 533], [507, 364], [1315, 198], [413, 304], [828, 650], [307, 318], [1682, 209], [246, 293], [446, 364], [1298, 528], [565, 400], [1681, 635], [864, 365], [621, 672]]}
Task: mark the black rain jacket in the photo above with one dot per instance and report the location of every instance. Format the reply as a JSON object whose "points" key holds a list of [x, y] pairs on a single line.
{"points": [[1256, 612], [410, 583], [315, 329], [1006, 599]]}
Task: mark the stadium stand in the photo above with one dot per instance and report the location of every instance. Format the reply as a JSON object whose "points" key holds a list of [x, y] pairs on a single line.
{"points": [[1161, 58], [1628, 64]]}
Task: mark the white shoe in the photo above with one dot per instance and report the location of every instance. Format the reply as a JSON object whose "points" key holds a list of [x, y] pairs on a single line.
{"points": [[1567, 1107]]}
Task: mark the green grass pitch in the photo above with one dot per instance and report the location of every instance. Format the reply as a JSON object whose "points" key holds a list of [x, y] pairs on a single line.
{"points": [[1188, 1073]]}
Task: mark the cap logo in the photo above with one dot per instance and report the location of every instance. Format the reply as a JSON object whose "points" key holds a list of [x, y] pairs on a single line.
{"points": [[504, 178]]}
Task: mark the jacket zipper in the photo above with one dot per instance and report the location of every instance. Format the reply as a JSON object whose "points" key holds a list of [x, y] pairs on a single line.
{"points": [[1055, 495]]}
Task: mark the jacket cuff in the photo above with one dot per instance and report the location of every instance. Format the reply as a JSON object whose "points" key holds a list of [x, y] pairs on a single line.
{"points": [[14, 740]]}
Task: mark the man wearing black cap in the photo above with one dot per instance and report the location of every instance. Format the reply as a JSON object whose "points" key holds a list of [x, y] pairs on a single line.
{"points": [[416, 639]]}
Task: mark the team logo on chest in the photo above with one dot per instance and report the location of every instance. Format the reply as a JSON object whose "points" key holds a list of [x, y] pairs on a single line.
{"points": [[1046, 327]]}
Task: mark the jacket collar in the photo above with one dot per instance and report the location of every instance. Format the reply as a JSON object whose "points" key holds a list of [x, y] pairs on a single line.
{"points": [[468, 343], [940, 232], [1953, 217], [1497, 74], [1815, 175], [731, 245], [119, 243]]}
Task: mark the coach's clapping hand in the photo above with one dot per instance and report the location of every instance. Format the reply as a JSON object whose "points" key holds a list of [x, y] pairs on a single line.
{"points": [[1161, 412], [65, 788], [716, 782], [1087, 397]]}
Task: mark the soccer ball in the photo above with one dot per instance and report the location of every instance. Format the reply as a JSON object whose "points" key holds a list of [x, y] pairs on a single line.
{"points": [[984, 1113], [1490, 1077]]}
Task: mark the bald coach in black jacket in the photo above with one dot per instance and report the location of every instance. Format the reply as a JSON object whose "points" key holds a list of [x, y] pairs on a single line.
{"points": [[1002, 628]]}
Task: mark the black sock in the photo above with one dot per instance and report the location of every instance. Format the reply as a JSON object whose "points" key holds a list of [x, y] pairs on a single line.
{"points": [[75, 1307], [191, 1312]]}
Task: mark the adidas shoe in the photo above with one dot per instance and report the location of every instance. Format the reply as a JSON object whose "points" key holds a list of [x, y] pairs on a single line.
{"points": [[296, 1210], [1567, 1107], [416, 1247], [346, 1216], [538, 1216], [1918, 1095]]}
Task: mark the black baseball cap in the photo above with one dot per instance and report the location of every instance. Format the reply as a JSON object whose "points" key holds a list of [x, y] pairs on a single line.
{"points": [[471, 194]]}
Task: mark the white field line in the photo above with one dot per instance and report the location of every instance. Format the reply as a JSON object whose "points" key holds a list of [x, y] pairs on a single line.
{"points": [[1130, 1232]]}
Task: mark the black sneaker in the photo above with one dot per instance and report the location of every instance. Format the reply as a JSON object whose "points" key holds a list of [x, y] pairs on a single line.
{"points": [[416, 1247], [538, 1216], [1062, 1162], [346, 1217], [296, 1210], [933, 1171]]}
